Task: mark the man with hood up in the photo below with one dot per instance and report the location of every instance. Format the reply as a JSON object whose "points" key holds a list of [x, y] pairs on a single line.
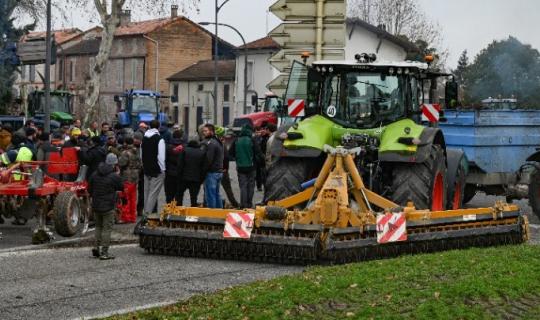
{"points": [[103, 186], [248, 156]]}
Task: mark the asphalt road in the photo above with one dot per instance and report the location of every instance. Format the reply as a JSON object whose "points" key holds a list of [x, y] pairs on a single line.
{"points": [[68, 283]]}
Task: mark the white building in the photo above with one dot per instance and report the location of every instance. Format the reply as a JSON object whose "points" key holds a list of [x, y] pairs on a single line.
{"points": [[360, 37], [364, 37], [194, 87], [259, 74]]}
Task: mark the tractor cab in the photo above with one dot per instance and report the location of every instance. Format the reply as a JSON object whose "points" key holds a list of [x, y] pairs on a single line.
{"points": [[136, 106], [363, 93], [61, 107]]}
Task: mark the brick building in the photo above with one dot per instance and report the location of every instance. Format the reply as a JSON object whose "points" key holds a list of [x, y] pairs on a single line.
{"points": [[144, 54]]}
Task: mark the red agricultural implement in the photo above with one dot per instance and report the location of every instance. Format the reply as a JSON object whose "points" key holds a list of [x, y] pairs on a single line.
{"points": [[42, 190]]}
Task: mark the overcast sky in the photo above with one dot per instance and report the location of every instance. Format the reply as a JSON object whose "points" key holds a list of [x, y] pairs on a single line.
{"points": [[466, 24]]}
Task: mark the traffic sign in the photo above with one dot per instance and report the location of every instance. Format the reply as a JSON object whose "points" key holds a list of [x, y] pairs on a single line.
{"points": [[294, 35], [306, 10], [285, 57]]}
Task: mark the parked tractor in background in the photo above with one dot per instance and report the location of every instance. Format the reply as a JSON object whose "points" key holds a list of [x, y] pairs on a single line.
{"points": [[501, 142], [272, 111], [61, 108], [136, 106], [375, 106]]}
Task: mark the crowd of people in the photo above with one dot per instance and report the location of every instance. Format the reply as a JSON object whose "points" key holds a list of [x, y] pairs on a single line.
{"points": [[127, 169]]}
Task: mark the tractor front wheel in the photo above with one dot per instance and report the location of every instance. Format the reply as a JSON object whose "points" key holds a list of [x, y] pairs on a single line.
{"points": [[534, 192], [285, 177], [422, 183], [67, 214]]}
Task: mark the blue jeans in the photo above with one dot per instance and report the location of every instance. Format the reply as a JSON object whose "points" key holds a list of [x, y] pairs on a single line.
{"points": [[211, 190]]}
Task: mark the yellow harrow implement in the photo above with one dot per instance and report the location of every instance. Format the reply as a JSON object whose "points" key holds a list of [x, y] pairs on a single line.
{"points": [[342, 221]]}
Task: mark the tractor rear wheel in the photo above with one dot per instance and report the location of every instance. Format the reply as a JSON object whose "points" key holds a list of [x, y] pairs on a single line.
{"points": [[468, 193], [284, 178], [67, 214], [422, 183], [534, 192]]}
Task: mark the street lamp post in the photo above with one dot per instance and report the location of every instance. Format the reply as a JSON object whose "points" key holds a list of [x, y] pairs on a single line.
{"points": [[245, 57], [218, 7], [47, 109]]}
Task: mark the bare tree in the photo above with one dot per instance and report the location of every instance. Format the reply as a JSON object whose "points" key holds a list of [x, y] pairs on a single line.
{"points": [[108, 14], [401, 18]]}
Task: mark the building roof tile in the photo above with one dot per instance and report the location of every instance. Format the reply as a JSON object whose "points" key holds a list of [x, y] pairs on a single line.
{"points": [[204, 70], [263, 43], [61, 36]]}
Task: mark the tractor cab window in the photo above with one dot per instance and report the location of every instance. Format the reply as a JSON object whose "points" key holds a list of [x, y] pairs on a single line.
{"points": [[59, 103], [144, 104], [364, 99]]}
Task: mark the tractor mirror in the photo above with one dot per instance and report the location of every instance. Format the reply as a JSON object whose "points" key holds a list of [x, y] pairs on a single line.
{"points": [[254, 99], [451, 94], [117, 98]]}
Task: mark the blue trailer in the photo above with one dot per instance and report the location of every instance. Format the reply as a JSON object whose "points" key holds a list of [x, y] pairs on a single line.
{"points": [[501, 143], [138, 106]]}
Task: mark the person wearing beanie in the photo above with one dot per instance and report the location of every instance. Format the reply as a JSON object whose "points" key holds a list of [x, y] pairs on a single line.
{"points": [[94, 155], [130, 166], [103, 187]]}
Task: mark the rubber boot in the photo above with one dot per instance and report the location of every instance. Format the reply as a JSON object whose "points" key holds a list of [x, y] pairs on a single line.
{"points": [[95, 252], [105, 254]]}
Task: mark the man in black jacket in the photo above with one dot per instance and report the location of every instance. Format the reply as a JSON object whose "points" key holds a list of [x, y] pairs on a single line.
{"points": [[190, 171], [103, 186], [172, 150], [214, 166], [94, 155]]}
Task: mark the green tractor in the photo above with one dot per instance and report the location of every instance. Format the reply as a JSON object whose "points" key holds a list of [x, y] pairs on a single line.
{"points": [[376, 106], [61, 107]]}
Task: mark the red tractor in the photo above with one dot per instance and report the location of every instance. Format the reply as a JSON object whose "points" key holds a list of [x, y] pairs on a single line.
{"points": [[35, 189], [271, 111]]}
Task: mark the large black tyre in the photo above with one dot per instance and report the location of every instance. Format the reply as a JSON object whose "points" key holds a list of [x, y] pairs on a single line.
{"points": [[67, 214], [534, 192], [284, 178], [456, 178], [468, 193], [422, 183]]}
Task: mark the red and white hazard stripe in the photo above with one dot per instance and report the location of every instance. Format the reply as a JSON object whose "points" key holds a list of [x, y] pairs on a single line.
{"points": [[391, 227], [296, 107], [238, 225], [431, 112]]}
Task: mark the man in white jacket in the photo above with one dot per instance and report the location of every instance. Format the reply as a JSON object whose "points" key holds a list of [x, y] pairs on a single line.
{"points": [[153, 159]]}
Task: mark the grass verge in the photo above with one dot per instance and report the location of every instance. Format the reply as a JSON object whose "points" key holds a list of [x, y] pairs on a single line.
{"points": [[492, 283]]}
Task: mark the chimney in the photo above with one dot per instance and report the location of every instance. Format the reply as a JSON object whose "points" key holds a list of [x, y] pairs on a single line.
{"points": [[174, 11], [125, 17]]}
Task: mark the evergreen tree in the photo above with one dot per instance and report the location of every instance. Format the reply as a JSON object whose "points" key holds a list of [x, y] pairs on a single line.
{"points": [[506, 68], [462, 64], [9, 36]]}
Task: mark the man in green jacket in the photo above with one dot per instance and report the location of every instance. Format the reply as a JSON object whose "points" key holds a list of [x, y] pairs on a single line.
{"points": [[248, 155]]}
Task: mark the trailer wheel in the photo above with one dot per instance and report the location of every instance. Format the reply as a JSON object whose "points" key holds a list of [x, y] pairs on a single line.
{"points": [[456, 178], [534, 192], [285, 177], [422, 183], [67, 213]]}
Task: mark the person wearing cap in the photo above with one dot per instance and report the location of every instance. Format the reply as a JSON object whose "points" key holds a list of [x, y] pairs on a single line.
{"points": [[30, 141], [103, 186], [111, 144], [74, 136]]}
